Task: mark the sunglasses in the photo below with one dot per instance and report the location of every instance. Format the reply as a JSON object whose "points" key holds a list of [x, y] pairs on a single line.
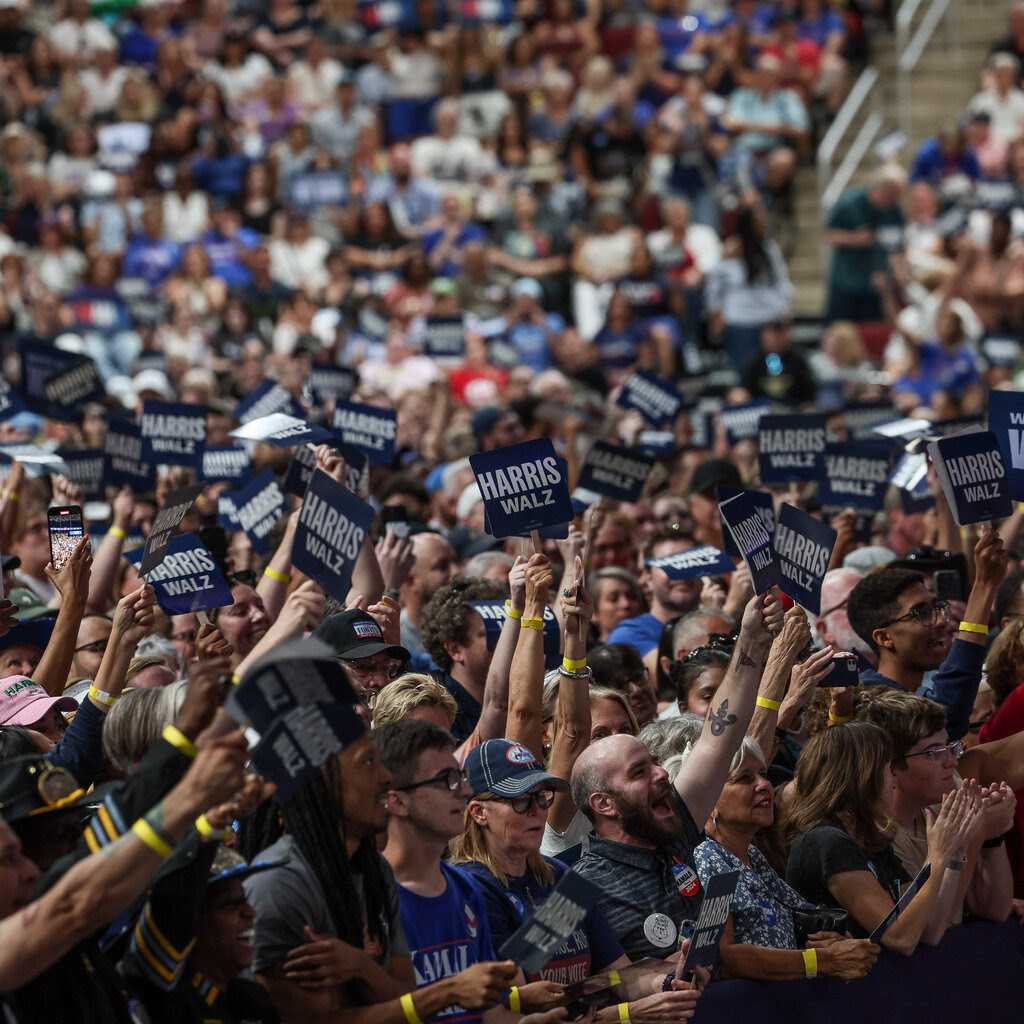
{"points": [[544, 798]]}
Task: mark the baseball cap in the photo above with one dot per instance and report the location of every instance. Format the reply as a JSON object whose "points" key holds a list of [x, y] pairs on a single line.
{"points": [[468, 542], [484, 420], [23, 701], [9, 562], [527, 286], [31, 785], [34, 633], [713, 473], [507, 768], [228, 864], [442, 286], [155, 381], [355, 634], [29, 605]]}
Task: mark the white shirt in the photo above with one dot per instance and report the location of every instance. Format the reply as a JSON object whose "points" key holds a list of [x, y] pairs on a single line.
{"points": [[237, 83], [81, 41], [1007, 112], [300, 266], [314, 87], [102, 94], [454, 159], [702, 243], [185, 220]]}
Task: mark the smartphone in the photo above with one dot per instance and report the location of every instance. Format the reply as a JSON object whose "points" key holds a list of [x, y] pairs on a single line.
{"points": [[395, 519], [948, 585], [66, 528], [844, 672]]}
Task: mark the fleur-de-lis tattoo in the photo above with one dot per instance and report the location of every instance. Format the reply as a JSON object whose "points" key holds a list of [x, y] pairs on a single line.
{"points": [[721, 719]]}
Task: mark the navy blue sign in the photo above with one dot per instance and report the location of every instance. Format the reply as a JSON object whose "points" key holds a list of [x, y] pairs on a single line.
{"points": [[165, 525], [711, 922], [258, 507], [615, 472], [494, 615], [313, 189], [1006, 421], [300, 470], [227, 510], [281, 430], [333, 523], [791, 447], [75, 386], [267, 398], [188, 579], [741, 422], [10, 401], [85, 470], [444, 337], [657, 442], [327, 381], [803, 546], [122, 454], [686, 565], [229, 464], [523, 487], [1001, 350], [655, 398], [743, 520], [856, 475], [173, 433], [367, 428], [860, 418], [40, 363], [762, 502], [973, 476]]}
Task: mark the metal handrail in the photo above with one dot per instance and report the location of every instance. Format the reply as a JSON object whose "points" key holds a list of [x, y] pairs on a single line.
{"points": [[869, 131], [858, 95], [910, 52]]}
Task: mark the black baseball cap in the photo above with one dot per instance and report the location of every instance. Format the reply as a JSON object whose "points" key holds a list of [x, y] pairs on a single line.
{"points": [[355, 634], [714, 473], [31, 786]]}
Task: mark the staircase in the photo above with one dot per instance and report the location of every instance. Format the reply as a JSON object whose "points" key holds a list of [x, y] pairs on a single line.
{"points": [[944, 80]]}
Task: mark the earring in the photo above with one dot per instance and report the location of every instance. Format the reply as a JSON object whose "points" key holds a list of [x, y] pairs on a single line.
{"points": [[714, 823]]}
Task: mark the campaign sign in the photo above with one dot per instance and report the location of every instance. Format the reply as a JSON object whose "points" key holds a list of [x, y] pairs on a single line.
{"points": [[444, 337], [856, 474], [300, 469], [658, 442], [901, 904], [762, 501], [687, 565], [333, 523], [267, 398], [188, 579], [791, 447], [10, 401], [615, 472], [122, 455], [75, 386], [40, 363], [281, 430], [741, 422], [711, 921], [172, 432], [1006, 421], [165, 523], [311, 190], [34, 460], [743, 520], [803, 546], [259, 506], [85, 470], [655, 398], [973, 476], [494, 615], [860, 418], [523, 487], [548, 928], [229, 463], [368, 428], [327, 381], [227, 510]]}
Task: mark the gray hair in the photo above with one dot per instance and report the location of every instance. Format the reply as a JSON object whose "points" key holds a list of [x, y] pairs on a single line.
{"points": [[135, 722], [479, 564], [158, 646], [667, 736], [749, 746]]}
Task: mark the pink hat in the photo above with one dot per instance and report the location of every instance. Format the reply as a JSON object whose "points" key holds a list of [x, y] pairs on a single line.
{"points": [[23, 701]]}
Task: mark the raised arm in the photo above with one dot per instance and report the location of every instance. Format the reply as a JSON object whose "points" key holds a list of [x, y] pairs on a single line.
{"points": [[108, 555], [273, 584], [72, 583]]}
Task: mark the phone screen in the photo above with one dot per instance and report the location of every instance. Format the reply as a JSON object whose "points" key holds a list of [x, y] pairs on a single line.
{"points": [[66, 529]]}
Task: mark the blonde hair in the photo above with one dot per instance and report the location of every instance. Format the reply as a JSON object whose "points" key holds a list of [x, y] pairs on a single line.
{"points": [[413, 690], [1004, 657]]}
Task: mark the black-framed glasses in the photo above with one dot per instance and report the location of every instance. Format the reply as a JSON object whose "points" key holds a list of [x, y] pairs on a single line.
{"points": [[242, 578], [939, 754], [926, 614], [835, 607], [451, 778], [95, 647], [368, 669], [521, 804], [927, 553]]}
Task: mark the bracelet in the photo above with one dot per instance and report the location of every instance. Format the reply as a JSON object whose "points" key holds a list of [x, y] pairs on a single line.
{"points": [[839, 719], [235, 678], [409, 1009], [281, 577], [624, 1013], [767, 702], [994, 844], [515, 1004], [178, 739], [156, 841], [511, 612], [956, 865], [537, 624], [116, 531], [974, 627], [12, 495], [810, 962], [614, 978], [574, 666], [208, 831], [666, 985], [104, 698], [587, 673]]}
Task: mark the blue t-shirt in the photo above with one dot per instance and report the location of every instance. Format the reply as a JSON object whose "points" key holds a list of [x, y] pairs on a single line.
{"points": [[469, 233], [530, 341], [940, 370], [643, 633], [151, 259], [620, 349], [590, 949], [225, 255], [446, 934]]}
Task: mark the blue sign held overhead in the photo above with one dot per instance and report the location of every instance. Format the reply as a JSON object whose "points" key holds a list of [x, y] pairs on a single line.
{"points": [[281, 430], [803, 546], [41, 363], [743, 520], [367, 428], [856, 475], [742, 422], [228, 463], [523, 487], [227, 510], [762, 501], [655, 398], [1006, 421], [188, 579], [76, 386], [258, 508], [268, 398], [615, 472], [791, 447], [165, 524], [327, 382], [122, 454], [173, 433], [10, 401], [686, 565], [444, 337], [971, 470], [85, 470]]}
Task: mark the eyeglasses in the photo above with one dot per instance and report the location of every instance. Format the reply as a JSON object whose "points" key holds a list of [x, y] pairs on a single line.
{"points": [[451, 778], [243, 578], [926, 614], [939, 754], [522, 804], [96, 647], [835, 608], [927, 553], [368, 669]]}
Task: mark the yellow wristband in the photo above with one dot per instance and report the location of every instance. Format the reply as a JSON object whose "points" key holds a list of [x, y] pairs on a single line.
{"points": [[281, 577], [409, 1009], [511, 612], [103, 698], [149, 835], [208, 831], [767, 702], [614, 978], [235, 679], [12, 495], [116, 531], [178, 739], [574, 666], [537, 624], [839, 719], [810, 962], [974, 627], [624, 1013], [515, 1004]]}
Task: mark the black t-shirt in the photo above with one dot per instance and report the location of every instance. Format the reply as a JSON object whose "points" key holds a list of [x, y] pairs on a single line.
{"points": [[783, 377], [829, 850]]}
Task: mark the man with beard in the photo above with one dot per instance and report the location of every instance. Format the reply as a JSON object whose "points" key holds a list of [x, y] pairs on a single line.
{"points": [[833, 624], [645, 829], [909, 630]]}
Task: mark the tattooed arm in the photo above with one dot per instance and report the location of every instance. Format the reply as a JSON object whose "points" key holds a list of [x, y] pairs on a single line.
{"points": [[702, 776]]}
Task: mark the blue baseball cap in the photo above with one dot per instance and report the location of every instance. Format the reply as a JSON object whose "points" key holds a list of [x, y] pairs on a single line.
{"points": [[507, 769]]}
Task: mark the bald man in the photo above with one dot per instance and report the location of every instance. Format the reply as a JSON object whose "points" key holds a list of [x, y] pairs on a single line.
{"points": [[436, 563], [833, 625], [645, 828]]}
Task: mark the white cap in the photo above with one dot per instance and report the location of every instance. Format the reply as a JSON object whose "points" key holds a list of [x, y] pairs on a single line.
{"points": [[153, 380]]}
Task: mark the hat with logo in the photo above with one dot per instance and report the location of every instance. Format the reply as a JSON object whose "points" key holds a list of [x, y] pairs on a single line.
{"points": [[507, 769], [354, 634], [29, 605], [23, 701], [30, 786]]}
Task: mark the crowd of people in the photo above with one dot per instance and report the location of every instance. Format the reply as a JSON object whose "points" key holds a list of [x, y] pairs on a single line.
{"points": [[213, 202]]}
